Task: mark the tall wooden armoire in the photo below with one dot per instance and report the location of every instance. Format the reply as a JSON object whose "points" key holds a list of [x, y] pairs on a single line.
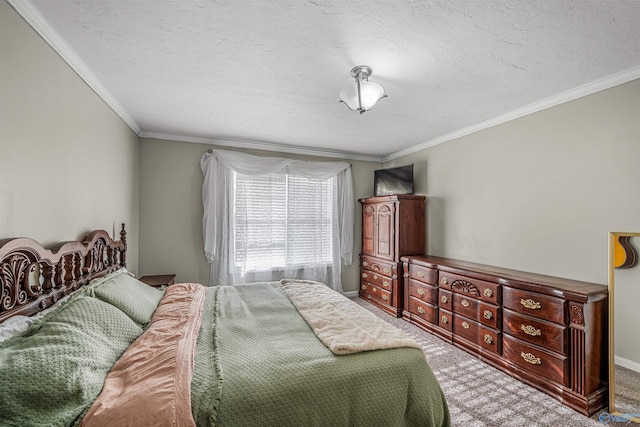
{"points": [[392, 227]]}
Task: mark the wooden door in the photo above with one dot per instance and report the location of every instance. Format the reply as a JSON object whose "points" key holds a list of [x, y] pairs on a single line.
{"points": [[368, 226], [385, 231]]}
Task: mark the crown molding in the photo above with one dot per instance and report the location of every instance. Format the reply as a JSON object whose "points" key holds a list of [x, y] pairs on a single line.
{"points": [[552, 101], [281, 148], [34, 18]]}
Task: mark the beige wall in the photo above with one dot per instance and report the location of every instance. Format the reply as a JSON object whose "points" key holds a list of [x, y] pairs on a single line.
{"points": [[171, 209], [541, 193], [68, 164]]}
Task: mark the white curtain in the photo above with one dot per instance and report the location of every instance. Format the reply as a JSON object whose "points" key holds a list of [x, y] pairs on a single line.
{"points": [[218, 195]]}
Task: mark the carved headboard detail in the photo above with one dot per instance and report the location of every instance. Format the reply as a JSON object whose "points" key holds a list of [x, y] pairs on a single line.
{"points": [[33, 278]]}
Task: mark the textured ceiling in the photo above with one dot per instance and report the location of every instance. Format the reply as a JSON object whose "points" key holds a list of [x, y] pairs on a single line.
{"points": [[270, 71]]}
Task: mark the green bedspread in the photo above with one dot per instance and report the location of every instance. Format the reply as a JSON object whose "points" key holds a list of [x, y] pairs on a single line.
{"points": [[257, 363], [268, 368]]}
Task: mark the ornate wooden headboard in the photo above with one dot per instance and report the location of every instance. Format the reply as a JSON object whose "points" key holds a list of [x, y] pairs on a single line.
{"points": [[32, 278]]}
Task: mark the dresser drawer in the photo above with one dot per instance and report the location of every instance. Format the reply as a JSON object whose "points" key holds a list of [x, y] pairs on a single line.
{"points": [[424, 274], [445, 299], [423, 292], [372, 291], [490, 315], [473, 331], [465, 305], [381, 267], [487, 314], [534, 304], [423, 310], [547, 365], [378, 279], [536, 331], [445, 319], [486, 291]]}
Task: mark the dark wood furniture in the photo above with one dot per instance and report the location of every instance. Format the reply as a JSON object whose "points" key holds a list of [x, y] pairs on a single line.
{"points": [[548, 332], [392, 226], [33, 278], [158, 280]]}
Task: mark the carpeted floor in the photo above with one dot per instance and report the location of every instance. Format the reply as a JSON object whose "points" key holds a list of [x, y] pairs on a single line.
{"points": [[480, 395], [627, 386]]}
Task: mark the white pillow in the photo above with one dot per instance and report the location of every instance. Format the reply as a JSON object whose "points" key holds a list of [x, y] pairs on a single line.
{"points": [[15, 325]]}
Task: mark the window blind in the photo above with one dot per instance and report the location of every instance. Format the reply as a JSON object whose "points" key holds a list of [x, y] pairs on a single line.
{"points": [[282, 221]]}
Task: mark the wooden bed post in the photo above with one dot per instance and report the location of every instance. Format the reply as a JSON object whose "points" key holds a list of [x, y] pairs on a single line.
{"points": [[123, 252]]}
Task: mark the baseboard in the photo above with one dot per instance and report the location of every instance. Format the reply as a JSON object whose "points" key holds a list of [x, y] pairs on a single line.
{"points": [[350, 294], [626, 363]]}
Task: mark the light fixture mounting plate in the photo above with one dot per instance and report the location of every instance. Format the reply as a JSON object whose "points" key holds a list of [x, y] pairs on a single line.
{"points": [[362, 71]]}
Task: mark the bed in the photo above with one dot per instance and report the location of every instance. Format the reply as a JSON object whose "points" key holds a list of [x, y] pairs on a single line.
{"points": [[85, 343]]}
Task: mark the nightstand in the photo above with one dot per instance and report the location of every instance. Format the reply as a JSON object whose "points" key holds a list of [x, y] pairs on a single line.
{"points": [[159, 280]]}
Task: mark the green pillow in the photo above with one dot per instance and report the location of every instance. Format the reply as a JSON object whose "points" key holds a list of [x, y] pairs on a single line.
{"points": [[130, 295], [52, 373]]}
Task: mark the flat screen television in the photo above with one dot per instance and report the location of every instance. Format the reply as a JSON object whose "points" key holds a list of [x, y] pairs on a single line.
{"points": [[397, 180]]}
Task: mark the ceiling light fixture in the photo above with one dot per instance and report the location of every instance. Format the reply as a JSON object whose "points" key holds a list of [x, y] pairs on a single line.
{"points": [[365, 94]]}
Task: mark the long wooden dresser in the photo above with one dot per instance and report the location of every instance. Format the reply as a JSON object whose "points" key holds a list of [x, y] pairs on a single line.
{"points": [[548, 332]]}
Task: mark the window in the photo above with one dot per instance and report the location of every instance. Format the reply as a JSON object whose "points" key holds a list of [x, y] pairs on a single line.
{"points": [[270, 218], [283, 222]]}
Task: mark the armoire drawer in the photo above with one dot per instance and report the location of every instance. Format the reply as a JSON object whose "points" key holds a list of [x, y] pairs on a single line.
{"points": [[378, 279], [372, 291], [534, 304], [381, 267], [486, 291], [536, 331], [543, 363]]}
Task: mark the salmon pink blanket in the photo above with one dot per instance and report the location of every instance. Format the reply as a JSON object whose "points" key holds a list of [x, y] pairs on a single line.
{"points": [[150, 385]]}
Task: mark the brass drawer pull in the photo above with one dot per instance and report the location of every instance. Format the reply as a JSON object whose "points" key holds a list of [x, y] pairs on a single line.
{"points": [[373, 289], [487, 314], [444, 281], [385, 284], [386, 270], [465, 325], [444, 299], [530, 358], [375, 277], [530, 330], [488, 293], [444, 319], [421, 292], [364, 287], [365, 263], [464, 303], [488, 339], [421, 310], [529, 303], [384, 297], [364, 275], [421, 274]]}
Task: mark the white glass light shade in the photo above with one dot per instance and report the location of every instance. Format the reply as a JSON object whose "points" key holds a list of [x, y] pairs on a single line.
{"points": [[370, 94]]}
